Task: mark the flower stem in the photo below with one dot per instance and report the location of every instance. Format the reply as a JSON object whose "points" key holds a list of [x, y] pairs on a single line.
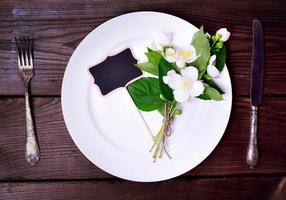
{"points": [[159, 139]]}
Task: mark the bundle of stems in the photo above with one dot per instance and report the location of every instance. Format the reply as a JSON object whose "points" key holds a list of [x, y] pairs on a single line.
{"points": [[159, 140]]}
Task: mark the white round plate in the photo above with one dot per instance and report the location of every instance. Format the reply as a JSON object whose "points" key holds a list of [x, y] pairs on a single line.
{"points": [[110, 131]]}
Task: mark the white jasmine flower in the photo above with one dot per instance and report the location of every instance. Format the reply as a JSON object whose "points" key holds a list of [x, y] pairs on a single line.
{"points": [[186, 85], [170, 55], [180, 63], [208, 35], [172, 79], [225, 34], [211, 69], [212, 60], [186, 54]]}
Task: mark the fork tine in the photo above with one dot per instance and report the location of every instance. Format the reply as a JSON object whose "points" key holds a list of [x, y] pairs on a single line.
{"points": [[22, 51], [31, 52], [26, 51], [32, 46], [18, 51], [24, 46]]}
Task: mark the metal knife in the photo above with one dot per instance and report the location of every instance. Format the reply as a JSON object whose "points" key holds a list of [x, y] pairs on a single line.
{"points": [[256, 86]]}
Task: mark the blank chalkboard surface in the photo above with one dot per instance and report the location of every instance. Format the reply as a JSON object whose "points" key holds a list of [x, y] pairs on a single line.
{"points": [[115, 71]]}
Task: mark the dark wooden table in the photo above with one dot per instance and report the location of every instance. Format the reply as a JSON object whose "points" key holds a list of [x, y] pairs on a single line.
{"points": [[64, 173]]}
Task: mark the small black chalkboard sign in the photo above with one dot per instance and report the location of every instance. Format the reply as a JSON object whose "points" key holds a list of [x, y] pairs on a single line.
{"points": [[115, 71]]}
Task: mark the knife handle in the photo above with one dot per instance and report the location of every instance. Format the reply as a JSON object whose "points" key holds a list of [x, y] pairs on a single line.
{"points": [[252, 151]]}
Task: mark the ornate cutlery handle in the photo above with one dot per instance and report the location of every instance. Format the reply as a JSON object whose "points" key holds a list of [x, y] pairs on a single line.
{"points": [[252, 151], [32, 149]]}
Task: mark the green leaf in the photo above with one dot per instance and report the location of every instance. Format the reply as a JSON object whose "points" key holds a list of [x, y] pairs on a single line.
{"points": [[149, 49], [164, 66], [145, 93], [148, 67], [204, 97], [208, 80], [201, 43], [154, 57], [221, 58], [212, 93]]}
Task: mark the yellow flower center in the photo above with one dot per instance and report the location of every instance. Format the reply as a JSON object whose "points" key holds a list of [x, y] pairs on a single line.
{"points": [[186, 54], [185, 84], [170, 54]]}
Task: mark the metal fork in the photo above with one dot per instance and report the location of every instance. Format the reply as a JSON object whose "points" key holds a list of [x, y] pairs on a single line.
{"points": [[26, 72]]}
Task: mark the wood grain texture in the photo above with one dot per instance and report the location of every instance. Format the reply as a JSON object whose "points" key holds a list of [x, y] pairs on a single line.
{"points": [[60, 158], [195, 189], [58, 26]]}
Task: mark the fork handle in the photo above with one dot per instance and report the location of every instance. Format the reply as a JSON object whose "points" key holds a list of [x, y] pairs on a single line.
{"points": [[32, 152], [252, 151]]}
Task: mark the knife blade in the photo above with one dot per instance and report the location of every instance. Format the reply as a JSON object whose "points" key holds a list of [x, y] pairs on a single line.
{"points": [[257, 65], [256, 90]]}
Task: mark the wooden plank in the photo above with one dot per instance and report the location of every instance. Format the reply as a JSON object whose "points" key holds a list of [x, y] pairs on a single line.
{"points": [[58, 26], [61, 159], [196, 189]]}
